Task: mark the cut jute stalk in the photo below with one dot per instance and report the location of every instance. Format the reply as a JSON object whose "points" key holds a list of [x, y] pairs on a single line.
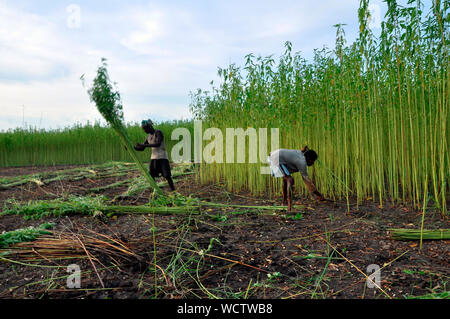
{"points": [[123, 210], [415, 234], [248, 206]]}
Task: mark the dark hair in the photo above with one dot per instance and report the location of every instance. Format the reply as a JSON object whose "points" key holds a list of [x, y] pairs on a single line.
{"points": [[310, 154], [147, 123]]}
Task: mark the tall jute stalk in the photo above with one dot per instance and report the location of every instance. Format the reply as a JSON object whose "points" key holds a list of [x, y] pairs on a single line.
{"points": [[376, 110], [109, 104]]}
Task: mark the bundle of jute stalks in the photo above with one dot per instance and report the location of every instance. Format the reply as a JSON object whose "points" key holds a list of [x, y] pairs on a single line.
{"points": [[57, 245], [417, 234], [62, 245]]}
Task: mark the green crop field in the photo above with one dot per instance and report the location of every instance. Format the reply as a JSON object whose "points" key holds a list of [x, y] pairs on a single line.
{"points": [[376, 110], [79, 144]]}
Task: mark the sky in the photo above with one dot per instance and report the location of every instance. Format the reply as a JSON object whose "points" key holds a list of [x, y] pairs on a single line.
{"points": [[157, 51]]}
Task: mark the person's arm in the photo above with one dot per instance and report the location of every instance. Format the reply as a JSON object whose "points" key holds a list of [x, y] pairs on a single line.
{"points": [[140, 147], [158, 142], [302, 168], [312, 188]]}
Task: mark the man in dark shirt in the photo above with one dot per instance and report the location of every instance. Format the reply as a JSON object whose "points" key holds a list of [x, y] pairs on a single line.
{"points": [[159, 162]]}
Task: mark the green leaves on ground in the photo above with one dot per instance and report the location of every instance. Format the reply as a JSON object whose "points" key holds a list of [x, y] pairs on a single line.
{"points": [[22, 235], [97, 206], [54, 208], [174, 200]]}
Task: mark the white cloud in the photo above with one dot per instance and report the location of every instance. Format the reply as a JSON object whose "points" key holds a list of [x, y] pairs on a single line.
{"points": [[22, 37], [49, 100], [35, 47], [156, 111], [154, 50], [149, 27]]}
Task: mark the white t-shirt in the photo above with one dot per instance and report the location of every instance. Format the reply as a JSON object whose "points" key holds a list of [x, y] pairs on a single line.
{"points": [[293, 160]]}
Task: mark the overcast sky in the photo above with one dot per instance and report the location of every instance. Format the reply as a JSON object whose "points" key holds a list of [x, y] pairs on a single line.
{"points": [[157, 51]]}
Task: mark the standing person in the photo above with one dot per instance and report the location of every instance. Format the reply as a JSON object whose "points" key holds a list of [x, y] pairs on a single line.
{"points": [[284, 162], [159, 162]]}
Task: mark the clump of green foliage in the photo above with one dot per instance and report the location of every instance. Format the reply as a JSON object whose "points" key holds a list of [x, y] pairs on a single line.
{"points": [[107, 100], [97, 206], [174, 200], [10, 238], [108, 169], [55, 208]]}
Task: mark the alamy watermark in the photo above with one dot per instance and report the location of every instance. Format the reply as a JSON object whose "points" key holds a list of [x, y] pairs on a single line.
{"points": [[73, 20], [74, 279], [234, 145], [374, 279]]}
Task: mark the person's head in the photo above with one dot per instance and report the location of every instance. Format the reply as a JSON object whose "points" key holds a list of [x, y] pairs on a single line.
{"points": [[310, 157], [147, 126]]}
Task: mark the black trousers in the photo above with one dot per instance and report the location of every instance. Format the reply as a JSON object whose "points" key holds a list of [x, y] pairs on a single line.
{"points": [[160, 167]]}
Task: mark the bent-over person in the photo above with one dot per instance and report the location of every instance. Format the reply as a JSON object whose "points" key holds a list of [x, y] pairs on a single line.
{"points": [[285, 162]]}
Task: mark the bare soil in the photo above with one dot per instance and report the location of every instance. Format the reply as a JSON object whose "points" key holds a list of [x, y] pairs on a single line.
{"points": [[321, 250]]}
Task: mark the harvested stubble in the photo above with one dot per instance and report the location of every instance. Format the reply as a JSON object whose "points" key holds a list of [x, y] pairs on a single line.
{"points": [[69, 245], [110, 169]]}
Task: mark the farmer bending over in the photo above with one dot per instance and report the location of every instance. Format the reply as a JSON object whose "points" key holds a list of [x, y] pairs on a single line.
{"points": [[284, 162], [159, 163]]}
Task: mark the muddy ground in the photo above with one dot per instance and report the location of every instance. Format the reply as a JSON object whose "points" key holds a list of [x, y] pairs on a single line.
{"points": [[319, 251]]}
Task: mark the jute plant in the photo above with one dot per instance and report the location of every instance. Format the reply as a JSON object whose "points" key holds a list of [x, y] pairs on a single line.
{"points": [[109, 104]]}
